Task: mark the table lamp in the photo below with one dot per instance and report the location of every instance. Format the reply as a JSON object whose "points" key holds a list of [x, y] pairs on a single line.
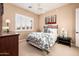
{"points": [[7, 24]]}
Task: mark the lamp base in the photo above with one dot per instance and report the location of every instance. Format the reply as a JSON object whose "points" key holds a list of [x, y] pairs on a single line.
{"points": [[7, 31]]}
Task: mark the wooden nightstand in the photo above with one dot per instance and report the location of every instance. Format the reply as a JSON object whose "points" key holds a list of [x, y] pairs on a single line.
{"points": [[64, 40]]}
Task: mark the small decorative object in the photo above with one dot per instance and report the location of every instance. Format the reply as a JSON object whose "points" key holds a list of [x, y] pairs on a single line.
{"points": [[23, 28], [7, 25], [31, 27], [18, 27], [27, 27]]}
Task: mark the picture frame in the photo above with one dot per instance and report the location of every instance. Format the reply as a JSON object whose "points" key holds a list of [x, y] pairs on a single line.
{"points": [[50, 19]]}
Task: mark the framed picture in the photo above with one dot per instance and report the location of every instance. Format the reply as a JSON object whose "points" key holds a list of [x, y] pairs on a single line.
{"points": [[50, 19]]}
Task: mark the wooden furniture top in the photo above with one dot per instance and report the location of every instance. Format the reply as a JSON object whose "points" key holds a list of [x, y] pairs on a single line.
{"points": [[8, 34]]}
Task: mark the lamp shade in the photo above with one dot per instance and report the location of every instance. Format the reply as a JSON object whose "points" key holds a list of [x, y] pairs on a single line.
{"points": [[7, 21], [62, 29]]}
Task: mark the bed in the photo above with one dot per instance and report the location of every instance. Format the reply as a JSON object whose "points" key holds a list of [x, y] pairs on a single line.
{"points": [[43, 40]]}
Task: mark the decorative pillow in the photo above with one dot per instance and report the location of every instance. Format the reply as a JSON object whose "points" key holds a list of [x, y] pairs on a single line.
{"points": [[49, 30], [45, 30]]}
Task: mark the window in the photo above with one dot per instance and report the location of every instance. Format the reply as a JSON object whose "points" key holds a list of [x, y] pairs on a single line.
{"points": [[23, 23]]}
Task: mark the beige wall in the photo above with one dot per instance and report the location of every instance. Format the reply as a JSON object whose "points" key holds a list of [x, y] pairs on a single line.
{"points": [[65, 18], [9, 13]]}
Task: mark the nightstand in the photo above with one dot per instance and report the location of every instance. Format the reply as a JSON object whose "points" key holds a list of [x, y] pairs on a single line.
{"points": [[64, 40]]}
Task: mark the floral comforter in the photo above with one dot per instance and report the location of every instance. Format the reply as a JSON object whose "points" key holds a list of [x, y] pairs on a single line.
{"points": [[43, 40]]}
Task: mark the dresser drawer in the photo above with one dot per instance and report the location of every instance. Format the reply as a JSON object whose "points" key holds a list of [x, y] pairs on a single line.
{"points": [[9, 45]]}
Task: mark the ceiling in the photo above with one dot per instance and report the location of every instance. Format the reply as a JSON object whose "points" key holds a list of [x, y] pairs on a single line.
{"points": [[39, 8]]}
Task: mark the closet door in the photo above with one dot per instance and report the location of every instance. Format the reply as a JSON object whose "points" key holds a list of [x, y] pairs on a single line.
{"points": [[77, 27]]}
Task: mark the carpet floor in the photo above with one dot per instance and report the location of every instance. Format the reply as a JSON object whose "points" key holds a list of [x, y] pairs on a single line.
{"points": [[57, 50]]}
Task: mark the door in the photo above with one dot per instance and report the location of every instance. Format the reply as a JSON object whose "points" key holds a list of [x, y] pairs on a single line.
{"points": [[77, 27]]}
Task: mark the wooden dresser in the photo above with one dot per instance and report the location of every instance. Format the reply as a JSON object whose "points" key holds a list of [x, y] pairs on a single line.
{"points": [[9, 44]]}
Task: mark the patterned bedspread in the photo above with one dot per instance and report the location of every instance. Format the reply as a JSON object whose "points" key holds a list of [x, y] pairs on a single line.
{"points": [[43, 40]]}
